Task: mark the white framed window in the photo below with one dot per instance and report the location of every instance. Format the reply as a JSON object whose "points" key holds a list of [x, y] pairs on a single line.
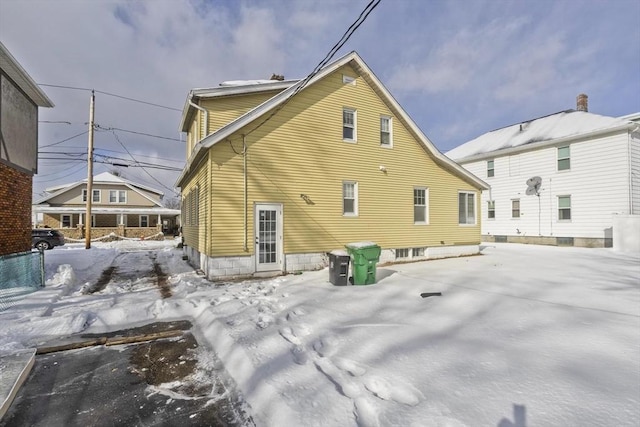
{"points": [[386, 135], [564, 208], [490, 169], [417, 252], [94, 199], [349, 118], [117, 196], [144, 220], [402, 253], [349, 198], [348, 80], [466, 208], [564, 158], [515, 208], [93, 220], [420, 205], [65, 220], [491, 209]]}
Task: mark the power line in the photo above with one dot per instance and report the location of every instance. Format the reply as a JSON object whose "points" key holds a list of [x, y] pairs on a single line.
{"points": [[143, 168], [137, 133], [65, 140], [111, 94], [336, 47]]}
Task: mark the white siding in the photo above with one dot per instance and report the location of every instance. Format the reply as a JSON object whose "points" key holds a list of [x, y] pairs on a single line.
{"points": [[598, 183], [634, 144]]}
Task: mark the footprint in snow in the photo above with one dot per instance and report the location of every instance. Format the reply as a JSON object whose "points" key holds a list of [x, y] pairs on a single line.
{"points": [[399, 392], [288, 334], [355, 369], [300, 355], [326, 346], [344, 384], [366, 414]]}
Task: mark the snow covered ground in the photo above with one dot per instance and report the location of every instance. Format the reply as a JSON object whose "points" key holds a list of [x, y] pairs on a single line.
{"points": [[522, 335]]}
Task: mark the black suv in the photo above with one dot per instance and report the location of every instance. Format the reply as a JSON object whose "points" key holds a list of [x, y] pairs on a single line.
{"points": [[46, 238]]}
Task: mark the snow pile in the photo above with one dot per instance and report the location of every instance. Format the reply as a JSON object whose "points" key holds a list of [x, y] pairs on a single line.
{"points": [[506, 341]]}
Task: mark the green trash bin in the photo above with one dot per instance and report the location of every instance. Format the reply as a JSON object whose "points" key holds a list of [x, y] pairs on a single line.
{"points": [[365, 256]]}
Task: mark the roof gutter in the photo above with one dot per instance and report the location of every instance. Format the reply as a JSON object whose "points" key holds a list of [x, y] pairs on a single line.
{"points": [[206, 118], [551, 142]]}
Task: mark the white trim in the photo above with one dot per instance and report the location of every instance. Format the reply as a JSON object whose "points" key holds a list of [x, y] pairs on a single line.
{"points": [[62, 220], [475, 208], [354, 112], [140, 221], [390, 131], [363, 70], [279, 249], [426, 205], [355, 199]]}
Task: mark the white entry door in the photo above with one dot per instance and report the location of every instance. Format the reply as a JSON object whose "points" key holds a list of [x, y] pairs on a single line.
{"points": [[268, 236]]}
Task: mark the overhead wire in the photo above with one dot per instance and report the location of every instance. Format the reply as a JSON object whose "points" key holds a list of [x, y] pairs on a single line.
{"points": [[336, 47], [111, 94], [65, 140]]}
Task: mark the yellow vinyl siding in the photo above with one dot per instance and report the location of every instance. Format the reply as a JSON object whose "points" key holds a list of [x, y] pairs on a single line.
{"points": [[195, 235], [300, 151], [226, 109]]}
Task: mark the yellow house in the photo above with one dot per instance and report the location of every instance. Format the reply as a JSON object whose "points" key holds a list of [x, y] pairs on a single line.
{"points": [[281, 172]]}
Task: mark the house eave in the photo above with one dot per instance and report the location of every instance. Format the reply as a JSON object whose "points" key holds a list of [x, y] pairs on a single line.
{"points": [[548, 143], [14, 70]]}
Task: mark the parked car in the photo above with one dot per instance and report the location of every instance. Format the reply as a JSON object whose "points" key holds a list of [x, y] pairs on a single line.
{"points": [[45, 238]]}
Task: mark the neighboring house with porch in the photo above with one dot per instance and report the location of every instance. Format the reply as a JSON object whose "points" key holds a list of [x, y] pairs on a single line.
{"points": [[20, 98], [280, 172], [119, 206], [562, 179]]}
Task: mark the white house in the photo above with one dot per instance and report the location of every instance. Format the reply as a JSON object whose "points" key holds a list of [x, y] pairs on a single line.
{"points": [[561, 179]]}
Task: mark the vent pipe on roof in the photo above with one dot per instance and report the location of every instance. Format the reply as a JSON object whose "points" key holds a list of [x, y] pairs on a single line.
{"points": [[582, 102]]}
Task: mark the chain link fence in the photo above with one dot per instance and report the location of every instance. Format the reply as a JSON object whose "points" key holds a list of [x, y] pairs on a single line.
{"points": [[20, 274]]}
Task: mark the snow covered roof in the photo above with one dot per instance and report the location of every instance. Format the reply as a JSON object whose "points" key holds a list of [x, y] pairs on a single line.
{"points": [[103, 178], [245, 82], [361, 67], [565, 124]]}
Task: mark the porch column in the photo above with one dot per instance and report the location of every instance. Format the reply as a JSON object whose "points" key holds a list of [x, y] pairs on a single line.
{"points": [[80, 222]]}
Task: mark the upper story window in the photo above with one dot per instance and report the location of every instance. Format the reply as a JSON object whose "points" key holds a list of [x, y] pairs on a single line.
{"points": [[564, 208], [491, 209], [515, 208], [490, 169], [95, 198], [117, 196], [386, 139], [466, 207], [349, 124], [350, 198], [420, 205], [564, 158]]}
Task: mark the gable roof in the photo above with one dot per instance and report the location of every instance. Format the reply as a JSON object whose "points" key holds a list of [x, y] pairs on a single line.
{"points": [[103, 178], [554, 128], [359, 65], [14, 70]]}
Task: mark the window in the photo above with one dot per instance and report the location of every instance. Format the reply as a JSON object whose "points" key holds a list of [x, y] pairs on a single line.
{"points": [[402, 253], [466, 208], [490, 169], [350, 198], [564, 208], [491, 209], [417, 252], [117, 196], [65, 220], [420, 206], [93, 220], [144, 220], [515, 208], [95, 198], [385, 131], [349, 124], [564, 158]]}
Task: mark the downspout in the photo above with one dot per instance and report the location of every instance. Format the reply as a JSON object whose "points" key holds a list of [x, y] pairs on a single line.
{"points": [[630, 165], [206, 118], [244, 173]]}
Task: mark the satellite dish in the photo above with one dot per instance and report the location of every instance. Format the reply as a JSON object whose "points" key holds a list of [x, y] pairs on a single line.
{"points": [[533, 186]]}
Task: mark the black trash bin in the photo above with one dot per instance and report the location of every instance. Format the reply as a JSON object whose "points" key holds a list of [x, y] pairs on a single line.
{"points": [[339, 267]]}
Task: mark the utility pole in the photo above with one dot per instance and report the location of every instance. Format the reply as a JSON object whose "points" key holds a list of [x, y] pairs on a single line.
{"points": [[87, 220]]}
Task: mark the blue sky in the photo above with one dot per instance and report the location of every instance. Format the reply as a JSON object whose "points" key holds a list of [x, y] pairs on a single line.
{"points": [[459, 68]]}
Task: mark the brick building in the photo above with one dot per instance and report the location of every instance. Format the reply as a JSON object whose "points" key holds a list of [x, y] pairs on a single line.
{"points": [[20, 98]]}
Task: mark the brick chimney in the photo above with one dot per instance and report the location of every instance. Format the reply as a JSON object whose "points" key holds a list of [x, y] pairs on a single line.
{"points": [[582, 102]]}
